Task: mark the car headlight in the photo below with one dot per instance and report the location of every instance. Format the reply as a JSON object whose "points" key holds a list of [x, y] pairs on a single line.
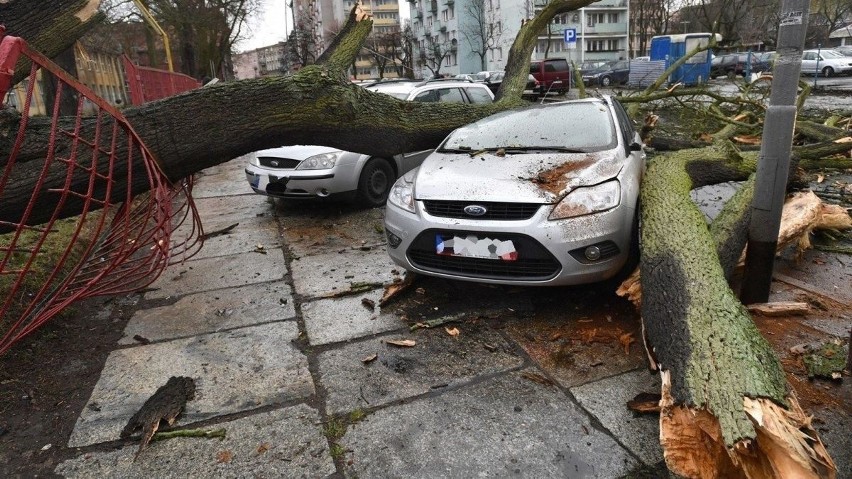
{"points": [[254, 161], [322, 161], [402, 192], [587, 200]]}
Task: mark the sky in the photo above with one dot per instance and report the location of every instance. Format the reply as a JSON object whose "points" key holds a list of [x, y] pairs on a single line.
{"points": [[267, 28]]}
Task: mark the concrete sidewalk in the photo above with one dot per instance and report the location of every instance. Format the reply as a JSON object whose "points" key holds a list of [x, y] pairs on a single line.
{"points": [[307, 385]]}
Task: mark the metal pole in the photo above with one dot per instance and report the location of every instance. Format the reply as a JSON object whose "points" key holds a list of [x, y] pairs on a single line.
{"points": [[774, 161], [819, 55]]}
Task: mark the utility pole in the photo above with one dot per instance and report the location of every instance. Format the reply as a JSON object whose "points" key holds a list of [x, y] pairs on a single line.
{"points": [[774, 161]]}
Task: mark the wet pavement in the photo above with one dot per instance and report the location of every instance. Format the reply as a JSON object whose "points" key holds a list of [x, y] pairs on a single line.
{"points": [[306, 381]]}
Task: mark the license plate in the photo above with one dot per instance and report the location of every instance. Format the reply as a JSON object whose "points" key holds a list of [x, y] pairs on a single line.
{"points": [[470, 246]]}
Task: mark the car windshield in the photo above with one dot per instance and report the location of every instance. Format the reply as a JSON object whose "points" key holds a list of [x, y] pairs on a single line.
{"points": [[830, 54], [576, 126]]}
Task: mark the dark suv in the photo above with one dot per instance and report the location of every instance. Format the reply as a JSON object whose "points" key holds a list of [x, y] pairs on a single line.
{"points": [[733, 64]]}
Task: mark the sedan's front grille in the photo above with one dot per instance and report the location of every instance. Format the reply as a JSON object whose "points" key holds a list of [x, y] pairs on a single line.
{"points": [[493, 211], [534, 262], [275, 162]]}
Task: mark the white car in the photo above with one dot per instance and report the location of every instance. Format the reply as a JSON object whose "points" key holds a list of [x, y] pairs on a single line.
{"points": [[826, 62], [312, 171], [546, 195]]}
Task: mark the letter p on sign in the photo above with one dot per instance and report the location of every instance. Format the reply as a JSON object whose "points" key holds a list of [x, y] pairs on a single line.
{"points": [[570, 35]]}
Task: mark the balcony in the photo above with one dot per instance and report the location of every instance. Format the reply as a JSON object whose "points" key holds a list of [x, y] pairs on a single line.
{"points": [[419, 14], [606, 29], [433, 6], [450, 3]]}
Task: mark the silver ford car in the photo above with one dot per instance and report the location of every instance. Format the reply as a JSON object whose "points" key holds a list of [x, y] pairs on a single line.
{"points": [[546, 195]]}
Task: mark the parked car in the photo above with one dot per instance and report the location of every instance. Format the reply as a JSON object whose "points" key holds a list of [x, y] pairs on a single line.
{"points": [[553, 74], [545, 195], [733, 64], [826, 62], [765, 61], [590, 65], [845, 50], [312, 171], [531, 90], [610, 73]]}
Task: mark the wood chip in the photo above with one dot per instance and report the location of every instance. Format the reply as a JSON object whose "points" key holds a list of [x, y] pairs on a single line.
{"points": [[645, 403], [370, 358], [537, 378], [626, 339], [452, 331], [224, 456], [368, 303], [406, 343], [781, 308]]}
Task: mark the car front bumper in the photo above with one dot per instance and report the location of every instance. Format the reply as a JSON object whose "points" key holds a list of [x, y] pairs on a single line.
{"points": [[301, 183], [544, 248]]}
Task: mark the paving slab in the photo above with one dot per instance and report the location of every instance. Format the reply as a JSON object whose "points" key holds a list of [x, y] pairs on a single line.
{"points": [[607, 401], [212, 311], [286, 443], [255, 236], [347, 318], [226, 179], [196, 276], [233, 209], [437, 361], [833, 426], [332, 272], [234, 371], [577, 349], [501, 427], [315, 228]]}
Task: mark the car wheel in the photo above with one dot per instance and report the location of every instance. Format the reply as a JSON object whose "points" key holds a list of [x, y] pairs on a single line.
{"points": [[375, 182], [606, 81], [827, 72]]}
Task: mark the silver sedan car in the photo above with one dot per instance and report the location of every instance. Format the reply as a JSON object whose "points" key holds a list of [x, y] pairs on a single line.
{"points": [[311, 171], [546, 195]]}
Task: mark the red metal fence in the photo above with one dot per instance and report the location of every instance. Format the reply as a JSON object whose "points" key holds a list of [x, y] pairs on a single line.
{"points": [[118, 243], [149, 84]]}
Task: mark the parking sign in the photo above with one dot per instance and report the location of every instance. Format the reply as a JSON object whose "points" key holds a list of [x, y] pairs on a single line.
{"points": [[570, 35]]}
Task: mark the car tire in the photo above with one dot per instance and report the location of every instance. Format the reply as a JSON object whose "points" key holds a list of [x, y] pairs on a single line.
{"points": [[375, 182], [606, 81], [633, 257], [828, 72]]}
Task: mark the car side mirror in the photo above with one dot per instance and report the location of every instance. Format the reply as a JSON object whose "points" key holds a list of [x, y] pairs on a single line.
{"points": [[635, 146]]}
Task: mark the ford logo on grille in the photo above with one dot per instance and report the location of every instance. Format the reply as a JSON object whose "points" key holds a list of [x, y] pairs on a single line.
{"points": [[274, 162], [475, 210]]}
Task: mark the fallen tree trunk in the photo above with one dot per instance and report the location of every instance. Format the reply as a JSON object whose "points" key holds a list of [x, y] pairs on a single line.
{"points": [[721, 379]]}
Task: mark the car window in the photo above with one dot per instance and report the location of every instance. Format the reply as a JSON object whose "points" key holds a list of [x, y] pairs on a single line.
{"points": [[625, 124], [478, 95], [534, 67], [430, 96], [809, 56], [584, 125], [450, 95]]}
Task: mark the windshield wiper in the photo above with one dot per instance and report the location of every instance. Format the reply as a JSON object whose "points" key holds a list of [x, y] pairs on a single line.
{"points": [[461, 149], [560, 149]]}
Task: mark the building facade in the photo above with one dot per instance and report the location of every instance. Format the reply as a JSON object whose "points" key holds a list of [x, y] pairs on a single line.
{"points": [[246, 65], [468, 36]]}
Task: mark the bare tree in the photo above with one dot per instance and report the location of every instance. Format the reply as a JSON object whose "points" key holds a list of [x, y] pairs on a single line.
{"points": [[827, 16], [648, 18], [435, 53], [482, 29]]}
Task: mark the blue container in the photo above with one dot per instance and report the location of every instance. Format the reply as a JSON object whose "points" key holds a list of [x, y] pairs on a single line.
{"points": [[672, 48]]}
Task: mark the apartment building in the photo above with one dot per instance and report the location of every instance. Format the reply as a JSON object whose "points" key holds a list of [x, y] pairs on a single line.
{"points": [[452, 32]]}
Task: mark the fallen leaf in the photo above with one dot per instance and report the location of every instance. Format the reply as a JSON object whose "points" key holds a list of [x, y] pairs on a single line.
{"points": [[368, 303], [263, 448], [407, 343], [626, 339], [645, 403], [370, 358], [452, 331], [820, 178], [224, 456], [818, 261], [537, 378]]}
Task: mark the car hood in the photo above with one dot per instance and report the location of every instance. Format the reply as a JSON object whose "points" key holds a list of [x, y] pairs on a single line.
{"points": [[526, 178], [295, 152]]}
